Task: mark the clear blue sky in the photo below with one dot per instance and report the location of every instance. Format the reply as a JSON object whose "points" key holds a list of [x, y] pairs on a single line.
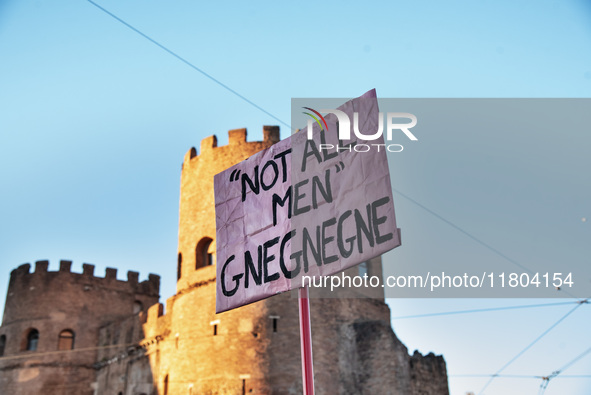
{"points": [[95, 120]]}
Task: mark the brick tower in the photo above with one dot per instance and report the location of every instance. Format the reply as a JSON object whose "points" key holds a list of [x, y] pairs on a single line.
{"points": [[50, 330], [256, 348]]}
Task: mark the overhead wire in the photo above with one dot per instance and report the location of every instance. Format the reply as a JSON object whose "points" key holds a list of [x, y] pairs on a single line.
{"points": [[63, 352], [484, 310], [530, 345], [468, 234], [519, 376], [556, 373], [188, 63]]}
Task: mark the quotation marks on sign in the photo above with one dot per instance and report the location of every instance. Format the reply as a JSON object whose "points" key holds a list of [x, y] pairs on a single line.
{"points": [[235, 175]]}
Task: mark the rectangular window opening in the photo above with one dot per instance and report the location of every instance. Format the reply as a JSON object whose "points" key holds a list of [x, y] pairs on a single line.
{"points": [[275, 322]]}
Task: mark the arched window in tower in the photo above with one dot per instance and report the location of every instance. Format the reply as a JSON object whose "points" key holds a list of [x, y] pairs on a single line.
{"points": [[2, 344], [32, 340], [204, 253], [179, 266], [66, 340]]}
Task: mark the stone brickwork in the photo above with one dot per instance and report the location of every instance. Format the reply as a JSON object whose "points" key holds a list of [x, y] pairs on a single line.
{"points": [[428, 374], [122, 364], [53, 302]]}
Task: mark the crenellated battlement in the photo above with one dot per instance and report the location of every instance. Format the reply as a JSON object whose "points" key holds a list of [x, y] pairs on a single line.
{"points": [[54, 301], [236, 137], [23, 273], [156, 322]]}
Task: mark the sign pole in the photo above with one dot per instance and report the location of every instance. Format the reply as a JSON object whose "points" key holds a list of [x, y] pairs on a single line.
{"points": [[306, 341]]}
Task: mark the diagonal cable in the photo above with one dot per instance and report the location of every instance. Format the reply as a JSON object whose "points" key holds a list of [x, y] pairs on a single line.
{"points": [[554, 374], [482, 310], [476, 239], [456, 227], [185, 61], [537, 339]]}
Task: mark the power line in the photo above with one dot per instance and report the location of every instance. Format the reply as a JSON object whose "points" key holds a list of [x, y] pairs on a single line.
{"points": [[456, 227], [61, 352], [185, 61], [518, 376], [529, 346], [568, 365], [554, 374], [476, 239], [482, 310]]}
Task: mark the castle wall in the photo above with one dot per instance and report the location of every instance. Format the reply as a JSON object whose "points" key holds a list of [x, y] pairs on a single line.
{"points": [[195, 348], [248, 345], [122, 364], [428, 374], [355, 349], [52, 302]]}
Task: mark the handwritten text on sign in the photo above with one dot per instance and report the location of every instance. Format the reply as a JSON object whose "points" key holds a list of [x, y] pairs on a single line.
{"points": [[295, 209]]}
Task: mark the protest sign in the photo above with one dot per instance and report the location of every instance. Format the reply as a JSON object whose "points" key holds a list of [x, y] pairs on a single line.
{"points": [[310, 205]]}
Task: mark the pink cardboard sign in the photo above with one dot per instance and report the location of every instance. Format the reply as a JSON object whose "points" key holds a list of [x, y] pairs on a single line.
{"points": [[310, 205]]}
